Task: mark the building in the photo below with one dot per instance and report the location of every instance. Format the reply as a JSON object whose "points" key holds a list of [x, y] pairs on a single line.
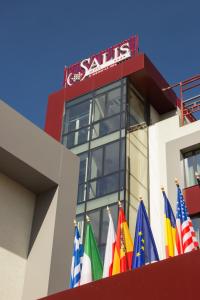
{"points": [[38, 187], [118, 115]]}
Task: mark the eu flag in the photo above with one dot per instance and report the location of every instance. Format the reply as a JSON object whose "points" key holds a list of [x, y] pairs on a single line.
{"points": [[144, 245]]}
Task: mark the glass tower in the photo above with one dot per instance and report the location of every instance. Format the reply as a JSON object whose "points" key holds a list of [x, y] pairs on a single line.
{"points": [[98, 128]]}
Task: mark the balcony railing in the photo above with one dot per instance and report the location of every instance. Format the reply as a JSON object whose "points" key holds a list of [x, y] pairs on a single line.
{"points": [[188, 102]]}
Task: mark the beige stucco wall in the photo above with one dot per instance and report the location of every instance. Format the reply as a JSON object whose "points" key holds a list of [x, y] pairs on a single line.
{"points": [[16, 215], [166, 140]]}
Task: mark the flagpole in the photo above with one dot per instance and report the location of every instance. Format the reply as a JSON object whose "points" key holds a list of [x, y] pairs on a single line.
{"points": [[176, 182], [87, 218], [108, 210]]}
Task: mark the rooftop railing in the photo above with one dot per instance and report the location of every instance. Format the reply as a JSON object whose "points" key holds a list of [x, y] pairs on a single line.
{"points": [[188, 102]]}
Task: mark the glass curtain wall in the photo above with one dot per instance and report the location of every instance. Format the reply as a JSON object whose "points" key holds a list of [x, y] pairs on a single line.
{"points": [[94, 129]]}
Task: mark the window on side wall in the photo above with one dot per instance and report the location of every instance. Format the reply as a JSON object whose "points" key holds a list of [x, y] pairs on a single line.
{"points": [[191, 167]]}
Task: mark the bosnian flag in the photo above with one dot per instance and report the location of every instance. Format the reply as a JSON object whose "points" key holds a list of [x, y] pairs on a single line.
{"points": [[110, 246]]}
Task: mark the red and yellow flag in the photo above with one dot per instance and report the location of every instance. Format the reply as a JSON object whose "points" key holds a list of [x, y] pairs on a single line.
{"points": [[122, 260]]}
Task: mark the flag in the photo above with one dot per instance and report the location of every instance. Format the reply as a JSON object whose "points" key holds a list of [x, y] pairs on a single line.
{"points": [[76, 260], [110, 245], [144, 245], [185, 238], [123, 252], [92, 267], [170, 228]]}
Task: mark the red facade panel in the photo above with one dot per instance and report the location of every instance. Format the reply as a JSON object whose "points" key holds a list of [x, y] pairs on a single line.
{"points": [[139, 69], [175, 278], [192, 197]]}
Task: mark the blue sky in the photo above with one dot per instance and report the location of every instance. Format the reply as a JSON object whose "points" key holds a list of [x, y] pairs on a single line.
{"points": [[37, 38]]}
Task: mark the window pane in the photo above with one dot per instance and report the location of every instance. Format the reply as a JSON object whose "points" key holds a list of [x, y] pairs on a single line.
{"points": [[198, 162], [95, 220], [114, 213], [106, 126], [122, 155], [105, 139], [113, 102], [189, 171], [108, 87], [103, 186], [99, 108], [102, 249], [104, 200], [111, 160], [96, 163], [136, 109], [122, 180], [76, 138], [77, 117], [83, 167], [93, 189], [81, 193]]}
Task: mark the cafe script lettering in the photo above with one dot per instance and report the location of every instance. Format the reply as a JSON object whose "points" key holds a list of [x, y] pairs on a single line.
{"points": [[99, 62]]}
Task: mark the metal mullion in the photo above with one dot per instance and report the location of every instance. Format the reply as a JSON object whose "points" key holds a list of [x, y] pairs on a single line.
{"points": [[74, 99], [106, 118], [105, 135], [127, 124], [120, 138], [65, 134], [103, 176], [100, 225], [108, 194], [63, 122], [89, 155], [103, 145], [112, 89], [103, 159]]}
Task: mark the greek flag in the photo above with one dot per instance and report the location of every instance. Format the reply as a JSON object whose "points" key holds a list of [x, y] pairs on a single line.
{"points": [[76, 260]]}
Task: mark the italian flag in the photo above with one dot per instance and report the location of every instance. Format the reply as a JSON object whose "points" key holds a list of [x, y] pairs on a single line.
{"points": [[92, 267]]}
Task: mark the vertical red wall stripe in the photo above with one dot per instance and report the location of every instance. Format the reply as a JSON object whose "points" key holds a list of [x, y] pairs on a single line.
{"points": [[54, 115]]}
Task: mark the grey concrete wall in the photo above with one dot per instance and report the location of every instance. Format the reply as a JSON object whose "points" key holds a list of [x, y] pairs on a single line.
{"points": [[40, 254], [39, 163], [16, 214]]}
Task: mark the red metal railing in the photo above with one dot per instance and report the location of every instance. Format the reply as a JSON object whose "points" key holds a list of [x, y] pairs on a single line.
{"points": [[188, 102]]}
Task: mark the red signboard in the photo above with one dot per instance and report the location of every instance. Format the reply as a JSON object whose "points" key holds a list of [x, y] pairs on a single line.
{"points": [[99, 62]]}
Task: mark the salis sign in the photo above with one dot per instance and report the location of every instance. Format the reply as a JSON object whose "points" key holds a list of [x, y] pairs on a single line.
{"points": [[101, 61]]}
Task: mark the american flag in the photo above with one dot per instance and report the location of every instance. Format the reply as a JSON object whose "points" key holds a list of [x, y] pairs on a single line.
{"points": [[186, 240], [76, 260]]}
